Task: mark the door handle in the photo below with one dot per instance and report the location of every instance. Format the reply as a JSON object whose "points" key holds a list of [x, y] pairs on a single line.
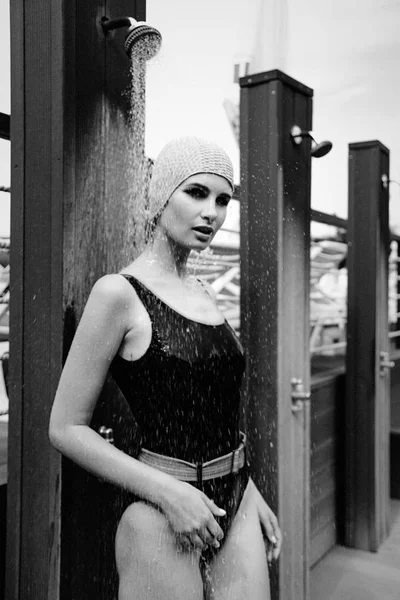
{"points": [[107, 433], [385, 363], [298, 394]]}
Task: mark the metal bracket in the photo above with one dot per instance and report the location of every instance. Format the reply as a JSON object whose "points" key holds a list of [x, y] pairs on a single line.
{"points": [[384, 363], [107, 433], [298, 394]]}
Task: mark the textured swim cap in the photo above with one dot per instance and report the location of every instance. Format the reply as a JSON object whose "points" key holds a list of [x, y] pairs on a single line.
{"points": [[179, 159]]}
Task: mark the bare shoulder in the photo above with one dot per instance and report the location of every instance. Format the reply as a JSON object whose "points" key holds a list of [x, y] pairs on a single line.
{"points": [[113, 290]]}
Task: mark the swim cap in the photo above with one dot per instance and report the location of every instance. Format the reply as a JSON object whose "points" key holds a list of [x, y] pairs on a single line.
{"points": [[179, 159]]}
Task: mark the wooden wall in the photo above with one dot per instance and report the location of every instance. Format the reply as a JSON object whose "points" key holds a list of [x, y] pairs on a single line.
{"points": [[71, 222], [326, 457], [98, 239]]}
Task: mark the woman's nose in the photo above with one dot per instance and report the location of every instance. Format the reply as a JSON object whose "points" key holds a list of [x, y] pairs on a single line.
{"points": [[210, 210]]}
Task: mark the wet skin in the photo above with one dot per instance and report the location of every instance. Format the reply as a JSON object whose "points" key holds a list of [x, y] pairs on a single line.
{"points": [[116, 315], [199, 202]]}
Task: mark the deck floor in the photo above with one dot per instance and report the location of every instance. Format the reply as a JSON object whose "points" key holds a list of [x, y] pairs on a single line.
{"points": [[347, 574]]}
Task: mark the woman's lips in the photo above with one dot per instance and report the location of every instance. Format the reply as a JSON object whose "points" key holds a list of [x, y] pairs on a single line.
{"points": [[204, 229]]}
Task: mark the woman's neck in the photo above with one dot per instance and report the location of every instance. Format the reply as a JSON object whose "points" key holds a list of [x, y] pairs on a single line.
{"points": [[166, 257]]}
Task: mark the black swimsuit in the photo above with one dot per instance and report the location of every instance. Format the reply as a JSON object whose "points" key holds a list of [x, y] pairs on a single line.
{"points": [[185, 393]]}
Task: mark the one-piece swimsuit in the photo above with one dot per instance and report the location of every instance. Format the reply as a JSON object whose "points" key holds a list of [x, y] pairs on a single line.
{"points": [[184, 393]]}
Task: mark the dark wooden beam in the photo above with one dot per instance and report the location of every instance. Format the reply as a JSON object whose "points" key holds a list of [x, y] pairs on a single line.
{"points": [[368, 385], [4, 126], [69, 124], [275, 239], [36, 292], [327, 219]]}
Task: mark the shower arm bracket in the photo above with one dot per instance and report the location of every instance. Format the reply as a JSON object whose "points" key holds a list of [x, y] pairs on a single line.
{"points": [[111, 24]]}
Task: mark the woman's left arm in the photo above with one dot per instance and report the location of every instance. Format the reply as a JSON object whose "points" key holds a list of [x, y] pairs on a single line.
{"points": [[269, 525]]}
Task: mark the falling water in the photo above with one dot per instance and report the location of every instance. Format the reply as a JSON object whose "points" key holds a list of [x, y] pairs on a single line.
{"points": [[137, 163], [139, 167]]}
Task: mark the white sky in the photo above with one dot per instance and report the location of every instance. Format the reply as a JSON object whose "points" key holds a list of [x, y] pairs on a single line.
{"points": [[348, 51]]}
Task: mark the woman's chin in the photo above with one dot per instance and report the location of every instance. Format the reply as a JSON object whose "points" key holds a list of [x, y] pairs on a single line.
{"points": [[199, 246]]}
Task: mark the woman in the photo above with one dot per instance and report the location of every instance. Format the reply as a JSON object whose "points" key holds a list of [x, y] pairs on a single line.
{"points": [[196, 527]]}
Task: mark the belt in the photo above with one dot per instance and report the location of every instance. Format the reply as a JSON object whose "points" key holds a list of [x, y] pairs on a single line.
{"points": [[187, 471]]}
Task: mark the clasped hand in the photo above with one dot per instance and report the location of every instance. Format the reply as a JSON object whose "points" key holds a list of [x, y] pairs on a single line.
{"points": [[191, 515]]}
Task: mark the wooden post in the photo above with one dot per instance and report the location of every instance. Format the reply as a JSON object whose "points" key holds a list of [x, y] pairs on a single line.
{"points": [[368, 381], [275, 225], [68, 124]]}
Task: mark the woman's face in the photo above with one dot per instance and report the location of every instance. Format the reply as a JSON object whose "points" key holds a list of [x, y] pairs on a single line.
{"points": [[196, 210]]}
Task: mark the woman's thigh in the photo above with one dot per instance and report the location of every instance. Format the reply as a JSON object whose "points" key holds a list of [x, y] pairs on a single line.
{"points": [[240, 569], [151, 565]]}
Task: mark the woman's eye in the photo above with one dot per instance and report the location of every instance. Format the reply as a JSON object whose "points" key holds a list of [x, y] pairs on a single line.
{"points": [[223, 200], [196, 192]]}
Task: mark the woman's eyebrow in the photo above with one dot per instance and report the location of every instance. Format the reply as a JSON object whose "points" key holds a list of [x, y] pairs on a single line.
{"points": [[199, 185], [207, 189]]}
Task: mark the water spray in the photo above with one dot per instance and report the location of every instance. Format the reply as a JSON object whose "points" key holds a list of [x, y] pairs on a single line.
{"points": [[139, 36]]}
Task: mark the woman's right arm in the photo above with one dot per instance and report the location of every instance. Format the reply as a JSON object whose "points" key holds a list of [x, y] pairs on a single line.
{"points": [[101, 330], [104, 323]]}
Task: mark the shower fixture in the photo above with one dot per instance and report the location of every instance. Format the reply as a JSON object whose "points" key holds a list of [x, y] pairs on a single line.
{"points": [[137, 31], [317, 150]]}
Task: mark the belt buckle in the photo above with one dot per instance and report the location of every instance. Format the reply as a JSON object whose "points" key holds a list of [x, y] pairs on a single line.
{"points": [[199, 469], [235, 469]]}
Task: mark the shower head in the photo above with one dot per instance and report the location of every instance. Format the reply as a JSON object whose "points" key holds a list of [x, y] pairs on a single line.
{"points": [[321, 149], [141, 42], [317, 150]]}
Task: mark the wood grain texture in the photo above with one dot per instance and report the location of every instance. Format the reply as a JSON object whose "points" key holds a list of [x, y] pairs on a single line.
{"points": [[327, 465], [34, 494], [62, 154], [367, 418], [14, 487], [99, 239], [274, 306]]}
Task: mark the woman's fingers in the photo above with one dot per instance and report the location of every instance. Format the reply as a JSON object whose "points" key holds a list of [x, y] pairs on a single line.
{"points": [[207, 537], [272, 531], [213, 532], [188, 542], [198, 541], [216, 510], [277, 536]]}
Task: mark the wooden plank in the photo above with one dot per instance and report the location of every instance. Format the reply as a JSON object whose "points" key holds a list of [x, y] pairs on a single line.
{"points": [[17, 252], [327, 219], [323, 482], [322, 455], [322, 542], [58, 175], [43, 145], [326, 464], [32, 554], [275, 271], [323, 512], [367, 418]]}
